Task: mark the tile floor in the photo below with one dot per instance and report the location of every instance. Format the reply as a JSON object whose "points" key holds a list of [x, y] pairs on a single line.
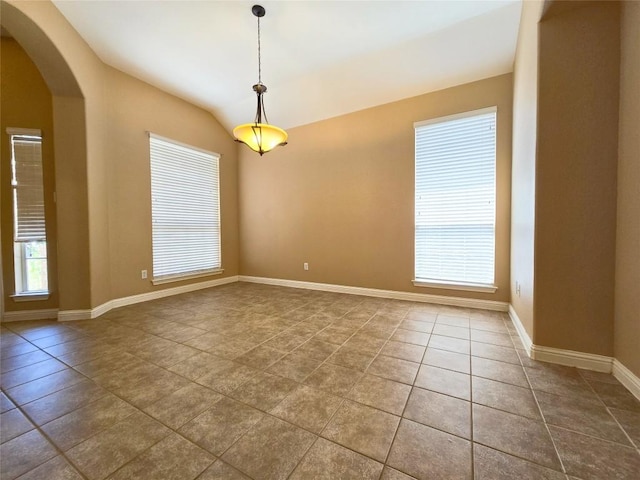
{"points": [[253, 381]]}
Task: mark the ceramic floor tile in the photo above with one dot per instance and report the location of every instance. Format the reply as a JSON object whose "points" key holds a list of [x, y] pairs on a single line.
{"points": [[28, 392], [630, 422], [64, 401], [490, 464], [220, 426], [411, 336], [501, 339], [227, 380], [427, 453], [317, 349], [261, 357], [308, 408], [394, 369], [363, 429], [31, 372], [594, 420], [5, 403], [222, 471], [452, 320], [270, 450], [500, 371], [450, 344], [150, 390], [171, 458], [380, 393], [17, 349], [117, 445], [565, 382], [55, 469], [450, 360], [503, 396], [264, 391], [592, 459], [417, 325], [24, 453], [616, 396], [444, 381], [200, 364], [84, 422], [13, 424], [334, 379], [177, 408], [392, 474], [404, 351], [295, 366], [327, 460], [443, 412], [286, 342], [513, 434], [19, 361], [196, 362], [352, 358], [451, 331], [495, 352]]}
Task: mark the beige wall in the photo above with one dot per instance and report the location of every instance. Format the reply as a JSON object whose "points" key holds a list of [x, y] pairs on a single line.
{"points": [[100, 117], [135, 108], [340, 196], [576, 178], [627, 294], [26, 103], [525, 112]]}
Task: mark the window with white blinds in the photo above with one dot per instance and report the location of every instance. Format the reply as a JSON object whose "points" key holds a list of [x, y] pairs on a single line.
{"points": [[185, 210], [27, 186], [455, 192]]}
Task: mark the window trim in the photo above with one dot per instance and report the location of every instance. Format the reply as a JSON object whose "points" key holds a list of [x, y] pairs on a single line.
{"points": [[451, 284]]}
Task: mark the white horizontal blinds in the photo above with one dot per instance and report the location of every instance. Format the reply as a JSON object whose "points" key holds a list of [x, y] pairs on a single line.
{"points": [[455, 198], [27, 183], [185, 209]]}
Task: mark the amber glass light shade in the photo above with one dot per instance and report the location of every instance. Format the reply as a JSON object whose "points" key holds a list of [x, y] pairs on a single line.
{"points": [[260, 137]]}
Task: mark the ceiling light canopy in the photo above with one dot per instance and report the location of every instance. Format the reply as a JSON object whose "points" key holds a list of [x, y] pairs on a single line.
{"points": [[258, 136]]}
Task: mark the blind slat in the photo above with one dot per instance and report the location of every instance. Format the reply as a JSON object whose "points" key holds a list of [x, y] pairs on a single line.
{"points": [[455, 199], [28, 190], [185, 209]]}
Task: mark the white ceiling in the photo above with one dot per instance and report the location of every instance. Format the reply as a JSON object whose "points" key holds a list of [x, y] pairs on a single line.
{"points": [[320, 59]]}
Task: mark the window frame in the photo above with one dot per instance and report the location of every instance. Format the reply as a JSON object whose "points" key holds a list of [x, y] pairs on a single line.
{"points": [[458, 284], [185, 149]]}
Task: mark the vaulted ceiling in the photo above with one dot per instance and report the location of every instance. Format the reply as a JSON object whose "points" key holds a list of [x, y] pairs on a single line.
{"points": [[320, 59]]}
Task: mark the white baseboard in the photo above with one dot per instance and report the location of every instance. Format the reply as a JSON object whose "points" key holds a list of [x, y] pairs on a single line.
{"points": [[522, 332], [627, 378], [49, 314], [374, 292], [570, 358], [586, 361], [70, 315]]}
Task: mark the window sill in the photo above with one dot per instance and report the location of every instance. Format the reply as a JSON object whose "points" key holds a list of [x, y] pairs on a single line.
{"points": [[467, 287], [30, 297], [188, 276]]}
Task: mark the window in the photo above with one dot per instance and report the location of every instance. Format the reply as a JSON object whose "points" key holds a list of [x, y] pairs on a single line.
{"points": [[455, 193], [29, 230], [185, 211]]}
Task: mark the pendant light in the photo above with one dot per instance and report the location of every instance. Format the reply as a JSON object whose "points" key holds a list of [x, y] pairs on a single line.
{"points": [[260, 137]]}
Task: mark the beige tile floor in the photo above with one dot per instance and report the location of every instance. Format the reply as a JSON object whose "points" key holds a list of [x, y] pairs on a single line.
{"points": [[252, 381]]}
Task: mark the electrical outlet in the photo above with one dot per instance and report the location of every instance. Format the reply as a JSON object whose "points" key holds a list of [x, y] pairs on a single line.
{"points": [[305, 265], [143, 274], [518, 288]]}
